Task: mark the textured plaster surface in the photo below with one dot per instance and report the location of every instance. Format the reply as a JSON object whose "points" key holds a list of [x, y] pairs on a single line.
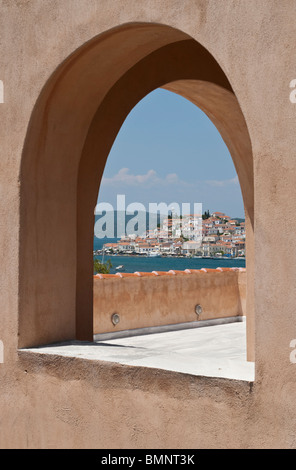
{"points": [[56, 401], [167, 299]]}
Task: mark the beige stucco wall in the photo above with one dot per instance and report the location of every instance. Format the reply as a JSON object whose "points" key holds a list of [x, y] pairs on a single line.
{"points": [[56, 402], [166, 299]]}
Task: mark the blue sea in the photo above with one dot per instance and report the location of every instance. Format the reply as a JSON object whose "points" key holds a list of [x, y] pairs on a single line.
{"points": [[146, 264]]}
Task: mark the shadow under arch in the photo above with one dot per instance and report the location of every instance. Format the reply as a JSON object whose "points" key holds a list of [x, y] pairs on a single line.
{"points": [[73, 126]]}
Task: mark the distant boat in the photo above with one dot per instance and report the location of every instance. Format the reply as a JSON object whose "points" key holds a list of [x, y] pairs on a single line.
{"points": [[153, 254], [120, 267]]}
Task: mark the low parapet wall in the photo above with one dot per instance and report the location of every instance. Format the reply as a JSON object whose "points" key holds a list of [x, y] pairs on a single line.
{"points": [[143, 300]]}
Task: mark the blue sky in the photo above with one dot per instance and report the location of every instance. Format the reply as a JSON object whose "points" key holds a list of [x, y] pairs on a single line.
{"points": [[169, 151]]}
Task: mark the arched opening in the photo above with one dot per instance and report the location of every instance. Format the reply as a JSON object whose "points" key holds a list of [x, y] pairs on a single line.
{"points": [[74, 123], [166, 150]]}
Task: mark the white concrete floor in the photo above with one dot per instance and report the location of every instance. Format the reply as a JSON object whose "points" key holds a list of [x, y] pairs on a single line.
{"points": [[213, 351]]}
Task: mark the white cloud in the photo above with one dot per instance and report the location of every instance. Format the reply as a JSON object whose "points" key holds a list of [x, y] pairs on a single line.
{"points": [[124, 177], [223, 183]]}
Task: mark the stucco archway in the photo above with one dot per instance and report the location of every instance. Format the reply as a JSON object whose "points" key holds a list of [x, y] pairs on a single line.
{"points": [[73, 126]]}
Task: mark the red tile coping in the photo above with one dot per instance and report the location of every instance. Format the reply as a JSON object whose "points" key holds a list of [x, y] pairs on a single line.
{"points": [[105, 276], [208, 270], [232, 269], [126, 274], [162, 273], [172, 272], [194, 271], [144, 274]]}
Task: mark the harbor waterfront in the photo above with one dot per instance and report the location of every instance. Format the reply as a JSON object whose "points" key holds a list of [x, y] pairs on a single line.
{"points": [[178, 242], [143, 263]]}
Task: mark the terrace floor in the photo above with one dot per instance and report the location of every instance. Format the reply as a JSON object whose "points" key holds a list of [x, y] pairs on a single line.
{"points": [[217, 350]]}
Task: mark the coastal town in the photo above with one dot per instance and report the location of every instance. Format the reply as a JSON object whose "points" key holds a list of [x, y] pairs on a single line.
{"points": [[214, 235]]}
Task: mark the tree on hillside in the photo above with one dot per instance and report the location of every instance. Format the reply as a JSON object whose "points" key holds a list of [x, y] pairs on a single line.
{"points": [[206, 215]]}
